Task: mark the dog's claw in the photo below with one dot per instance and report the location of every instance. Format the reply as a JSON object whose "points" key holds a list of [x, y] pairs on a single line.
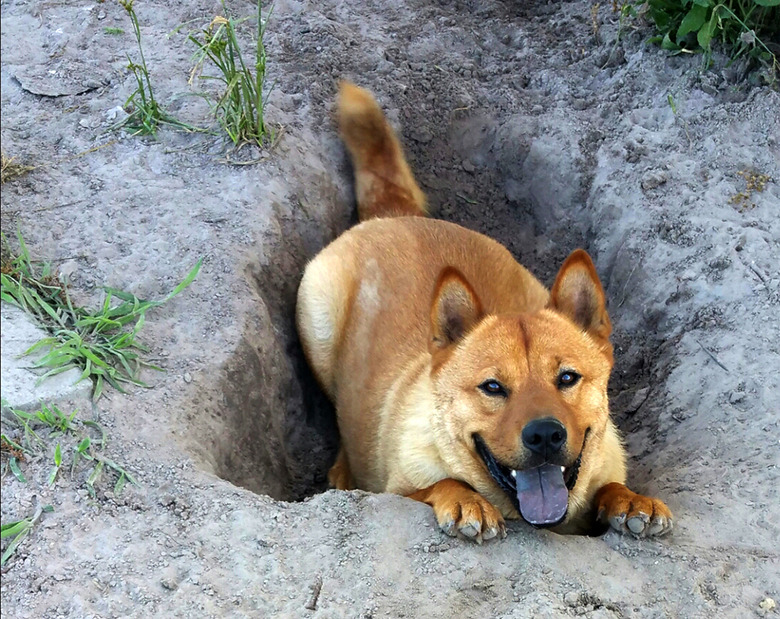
{"points": [[462, 512], [636, 524], [632, 513], [449, 528], [490, 533], [471, 529]]}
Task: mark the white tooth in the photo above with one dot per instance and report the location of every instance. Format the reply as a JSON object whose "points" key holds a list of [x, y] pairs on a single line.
{"points": [[563, 468]]}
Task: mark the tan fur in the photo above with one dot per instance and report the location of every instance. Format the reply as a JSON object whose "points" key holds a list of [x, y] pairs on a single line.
{"points": [[384, 184], [402, 318]]}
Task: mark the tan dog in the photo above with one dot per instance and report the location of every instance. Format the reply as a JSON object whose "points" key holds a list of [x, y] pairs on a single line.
{"points": [[458, 379]]}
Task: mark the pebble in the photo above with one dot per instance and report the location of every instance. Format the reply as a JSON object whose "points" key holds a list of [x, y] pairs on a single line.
{"points": [[652, 179], [572, 598], [736, 396], [187, 377], [767, 604]]}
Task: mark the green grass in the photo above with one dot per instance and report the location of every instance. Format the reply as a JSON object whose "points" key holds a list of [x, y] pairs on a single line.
{"points": [[36, 432], [145, 113], [240, 109], [111, 30], [19, 530], [742, 27], [102, 343]]}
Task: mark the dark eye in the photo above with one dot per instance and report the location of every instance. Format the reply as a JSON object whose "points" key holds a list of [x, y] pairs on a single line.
{"points": [[493, 387], [568, 378]]}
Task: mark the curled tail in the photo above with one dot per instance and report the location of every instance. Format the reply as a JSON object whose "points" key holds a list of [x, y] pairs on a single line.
{"points": [[384, 184]]}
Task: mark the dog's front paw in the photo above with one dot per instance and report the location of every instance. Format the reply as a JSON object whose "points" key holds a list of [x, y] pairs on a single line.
{"points": [[632, 513], [459, 510]]}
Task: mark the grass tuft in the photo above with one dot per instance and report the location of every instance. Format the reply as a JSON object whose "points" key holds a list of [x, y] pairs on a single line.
{"points": [[50, 422], [102, 343], [240, 109], [19, 530], [10, 168], [145, 113]]}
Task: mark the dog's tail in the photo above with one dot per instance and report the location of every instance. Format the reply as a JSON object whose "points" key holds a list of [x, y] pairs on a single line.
{"points": [[384, 184]]}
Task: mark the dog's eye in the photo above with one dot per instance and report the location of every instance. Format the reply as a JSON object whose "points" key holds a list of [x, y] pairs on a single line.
{"points": [[493, 387], [568, 378]]}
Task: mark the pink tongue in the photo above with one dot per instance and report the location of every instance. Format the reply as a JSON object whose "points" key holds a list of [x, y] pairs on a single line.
{"points": [[542, 494]]}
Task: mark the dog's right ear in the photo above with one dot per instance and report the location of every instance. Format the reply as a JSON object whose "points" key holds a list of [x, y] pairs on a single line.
{"points": [[454, 311]]}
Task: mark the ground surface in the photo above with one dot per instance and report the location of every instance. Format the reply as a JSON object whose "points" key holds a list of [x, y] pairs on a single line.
{"points": [[521, 123]]}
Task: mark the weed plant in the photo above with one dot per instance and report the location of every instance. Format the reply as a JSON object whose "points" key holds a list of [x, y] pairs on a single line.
{"points": [[19, 530], [239, 110], [10, 168], [745, 27], [35, 433], [102, 343], [145, 114]]}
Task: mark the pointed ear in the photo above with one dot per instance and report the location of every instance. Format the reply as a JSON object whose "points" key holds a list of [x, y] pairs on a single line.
{"points": [[577, 294], [455, 309]]}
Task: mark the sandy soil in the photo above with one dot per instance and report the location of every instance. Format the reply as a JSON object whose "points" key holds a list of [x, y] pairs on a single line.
{"points": [[521, 122]]}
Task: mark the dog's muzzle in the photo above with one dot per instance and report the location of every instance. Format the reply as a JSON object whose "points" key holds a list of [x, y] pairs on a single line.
{"points": [[540, 493]]}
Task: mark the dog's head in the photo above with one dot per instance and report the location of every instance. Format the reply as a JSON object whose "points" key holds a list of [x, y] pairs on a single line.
{"points": [[525, 394]]}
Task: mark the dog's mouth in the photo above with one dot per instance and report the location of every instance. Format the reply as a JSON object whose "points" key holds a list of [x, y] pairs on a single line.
{"points": [[541, 493]]}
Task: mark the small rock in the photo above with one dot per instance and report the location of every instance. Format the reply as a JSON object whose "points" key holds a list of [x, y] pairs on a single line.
{"points": [[423, 136], [187, 377], [653, 179], [115, 114], [736, 396], [572, 598], [468, 166], [767, 604]]}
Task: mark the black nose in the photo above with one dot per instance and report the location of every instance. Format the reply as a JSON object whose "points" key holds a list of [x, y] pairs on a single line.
{"points": [[544, 436]]}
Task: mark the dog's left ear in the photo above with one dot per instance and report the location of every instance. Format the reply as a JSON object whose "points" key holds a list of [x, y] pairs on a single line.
{"points": [[577, 293], [454, 311]]}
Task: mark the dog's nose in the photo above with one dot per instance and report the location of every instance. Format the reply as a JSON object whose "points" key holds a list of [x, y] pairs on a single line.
{"points": [[544, 436]]}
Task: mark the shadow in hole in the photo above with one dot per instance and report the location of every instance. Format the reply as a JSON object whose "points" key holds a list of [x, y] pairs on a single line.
{"points": [[282, 427]]}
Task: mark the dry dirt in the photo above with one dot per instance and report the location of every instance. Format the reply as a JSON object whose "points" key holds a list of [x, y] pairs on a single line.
{"points": [[521, 123]]}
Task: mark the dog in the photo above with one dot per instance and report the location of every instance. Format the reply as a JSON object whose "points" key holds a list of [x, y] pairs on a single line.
{"points": [[458, 379]]}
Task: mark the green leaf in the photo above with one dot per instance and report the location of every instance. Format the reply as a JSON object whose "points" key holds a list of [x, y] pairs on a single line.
{"points": [[14, 545], [187, 280], [120, 484], [767, 2], [667, 43], [692, 22], [13, 528], [13, 463], [53, 475], [58, 456], [706, 32]]}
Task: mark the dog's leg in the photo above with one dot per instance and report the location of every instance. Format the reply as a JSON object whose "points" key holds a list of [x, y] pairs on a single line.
{"points": [[340, 475], [632, 513], [460, 509]]}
